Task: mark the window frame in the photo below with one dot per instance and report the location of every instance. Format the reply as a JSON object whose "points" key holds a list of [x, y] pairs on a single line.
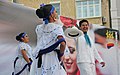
{"points": [[57, 2], [88, 7]]}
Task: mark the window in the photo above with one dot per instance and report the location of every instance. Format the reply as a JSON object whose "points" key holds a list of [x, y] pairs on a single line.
{"points": [[88, 8], [56, 4]]}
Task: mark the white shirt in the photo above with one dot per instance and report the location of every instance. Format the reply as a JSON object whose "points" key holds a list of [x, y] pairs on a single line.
{"points": [[85, 53]]}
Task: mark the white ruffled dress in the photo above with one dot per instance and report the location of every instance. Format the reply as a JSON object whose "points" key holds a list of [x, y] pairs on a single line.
{"points": [[46, 36], [20, 63]]}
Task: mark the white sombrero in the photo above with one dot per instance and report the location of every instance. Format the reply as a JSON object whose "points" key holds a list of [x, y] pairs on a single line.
{"points": [[73, 32]]}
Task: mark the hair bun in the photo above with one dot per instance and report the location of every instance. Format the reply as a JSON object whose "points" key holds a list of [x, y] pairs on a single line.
{"points": [[40, 13], [44, 11], [18, 38]]}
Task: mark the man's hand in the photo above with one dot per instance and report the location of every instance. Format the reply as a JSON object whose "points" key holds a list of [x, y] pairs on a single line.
{"points": [[103, 64]]}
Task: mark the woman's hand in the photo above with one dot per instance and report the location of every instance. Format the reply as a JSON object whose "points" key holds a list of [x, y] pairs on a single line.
{"points": [[62, 45], [29, 65]]}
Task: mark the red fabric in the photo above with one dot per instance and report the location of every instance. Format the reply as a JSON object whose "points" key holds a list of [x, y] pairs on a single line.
{"points": [[68, 22], [78, 72], [98, 72]]}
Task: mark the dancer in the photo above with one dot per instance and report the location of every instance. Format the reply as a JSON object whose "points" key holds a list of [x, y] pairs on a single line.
{"points": [[86, 51], [49, 36], [23, 60]]}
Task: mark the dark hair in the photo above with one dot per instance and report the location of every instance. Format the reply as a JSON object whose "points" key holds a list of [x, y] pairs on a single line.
{"points": [[84, 20], [101, 32], [44, 11], [18, 37]]}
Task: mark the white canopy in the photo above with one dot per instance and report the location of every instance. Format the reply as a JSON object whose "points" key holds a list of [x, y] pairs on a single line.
{"points": [[14, 18]]}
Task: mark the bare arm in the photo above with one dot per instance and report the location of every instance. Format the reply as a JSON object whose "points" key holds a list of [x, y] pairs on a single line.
{"points": [[62, 45], [25, 56]]}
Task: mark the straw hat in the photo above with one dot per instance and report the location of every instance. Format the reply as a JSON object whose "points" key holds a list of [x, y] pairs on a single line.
{"points": [[73, 32]]}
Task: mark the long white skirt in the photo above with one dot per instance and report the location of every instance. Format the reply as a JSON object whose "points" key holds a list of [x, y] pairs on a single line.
{"points": [[50, 65], [20, 63]]}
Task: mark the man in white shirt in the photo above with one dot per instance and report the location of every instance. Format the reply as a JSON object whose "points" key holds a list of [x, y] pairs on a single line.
{"points": [[86, 51]]}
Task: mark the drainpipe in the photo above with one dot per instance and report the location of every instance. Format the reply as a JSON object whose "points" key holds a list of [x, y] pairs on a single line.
{"points": [[110, 19]]}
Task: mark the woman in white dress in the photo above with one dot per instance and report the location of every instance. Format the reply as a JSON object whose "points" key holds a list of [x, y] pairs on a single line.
{"points": [[49, 36], [23, 60]]}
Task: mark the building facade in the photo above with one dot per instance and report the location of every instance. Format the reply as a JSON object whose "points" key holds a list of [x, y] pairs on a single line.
{"points": [[115, 14], [95, 11]]}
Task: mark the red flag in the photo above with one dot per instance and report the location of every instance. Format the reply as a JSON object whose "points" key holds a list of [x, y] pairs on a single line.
{"points": [[68, 22]]}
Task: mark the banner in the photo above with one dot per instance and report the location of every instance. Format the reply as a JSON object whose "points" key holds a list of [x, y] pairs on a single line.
{"points": [[106, 42], [111, 35], [108, 33]]}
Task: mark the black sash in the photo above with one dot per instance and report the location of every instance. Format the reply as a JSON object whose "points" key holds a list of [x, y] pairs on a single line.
{"points": [[47, 50], [22, 68]]}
